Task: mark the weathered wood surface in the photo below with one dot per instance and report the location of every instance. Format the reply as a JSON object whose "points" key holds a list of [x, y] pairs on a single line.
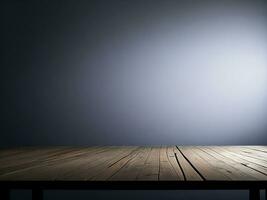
{"points": [[135, 163]]}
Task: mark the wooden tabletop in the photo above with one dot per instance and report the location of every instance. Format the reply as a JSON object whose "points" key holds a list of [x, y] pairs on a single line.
{"points": [[135, 163]]}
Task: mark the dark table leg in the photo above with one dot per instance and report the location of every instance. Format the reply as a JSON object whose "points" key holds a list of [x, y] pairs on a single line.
{"points": [[37, 194], [4, 194], [254, 194]]}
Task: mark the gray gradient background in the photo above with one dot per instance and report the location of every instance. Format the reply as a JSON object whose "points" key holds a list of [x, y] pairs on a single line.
{"points": [[134, 73]]}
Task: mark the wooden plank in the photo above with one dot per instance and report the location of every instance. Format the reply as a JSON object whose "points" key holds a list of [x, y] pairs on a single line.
{"points": [[59, 156], [27, 156], [241, 160], [208, 171], [42, 156], [89, 168], [113, 166], [234, 163], [249, 153], [8, 153], [190, 174], [260, 154], [212, 162], [231, 168], [258, 148], [133, 167], [220, 165], [175, 163], [50, 169], [150, 170], [166, 170], [86, 167], [111, 163], [247, 159]]}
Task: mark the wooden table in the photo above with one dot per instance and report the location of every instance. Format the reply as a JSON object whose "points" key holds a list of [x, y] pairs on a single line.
{"points": [[134, 168]]}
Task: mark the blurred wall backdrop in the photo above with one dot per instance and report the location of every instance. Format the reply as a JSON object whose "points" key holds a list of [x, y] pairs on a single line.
{"points": [[134, 73]]}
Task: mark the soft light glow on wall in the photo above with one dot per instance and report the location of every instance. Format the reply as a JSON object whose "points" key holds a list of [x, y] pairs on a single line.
{"points": [[196, 77]]}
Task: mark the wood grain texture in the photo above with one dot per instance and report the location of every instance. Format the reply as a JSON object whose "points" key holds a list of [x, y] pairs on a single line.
{"points": [[135, 163]]}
